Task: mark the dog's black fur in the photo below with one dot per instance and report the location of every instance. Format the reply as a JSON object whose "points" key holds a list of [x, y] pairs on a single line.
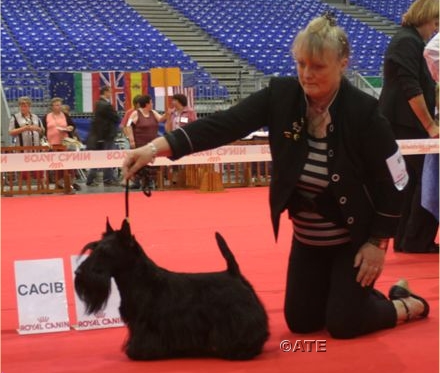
{"points": [[173, 314]]}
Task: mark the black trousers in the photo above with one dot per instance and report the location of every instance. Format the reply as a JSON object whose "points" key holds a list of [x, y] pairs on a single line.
{"points": [[417, 227], [322, 292]]}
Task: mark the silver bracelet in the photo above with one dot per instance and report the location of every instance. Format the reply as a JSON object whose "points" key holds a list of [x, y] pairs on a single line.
{"points": [[153, 150]]}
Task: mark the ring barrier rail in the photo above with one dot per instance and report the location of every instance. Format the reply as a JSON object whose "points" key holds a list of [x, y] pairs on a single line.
{"points": [[49, 160], [249, 159]]}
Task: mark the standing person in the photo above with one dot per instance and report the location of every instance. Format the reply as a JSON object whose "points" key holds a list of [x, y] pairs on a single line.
{"points": [[430, 179], [181, 114], [127, 117], [431, 54], [408, 101], [102, 135], [74, 134], [343, 198], [143, 127], [25, 127], [59, 126], [27, 130]]}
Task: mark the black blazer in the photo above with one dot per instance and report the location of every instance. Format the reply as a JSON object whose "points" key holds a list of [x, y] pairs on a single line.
{"points": [[406, 75], [359, 142], [104, 124]]}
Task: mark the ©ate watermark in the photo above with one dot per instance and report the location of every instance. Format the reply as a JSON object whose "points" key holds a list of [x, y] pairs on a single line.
{"points": [[304, 345]]}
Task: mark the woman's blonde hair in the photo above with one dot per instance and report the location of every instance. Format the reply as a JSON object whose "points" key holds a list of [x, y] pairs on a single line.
{"points": [[56, 99], [320, 34], [24, 100], [420, 12]]}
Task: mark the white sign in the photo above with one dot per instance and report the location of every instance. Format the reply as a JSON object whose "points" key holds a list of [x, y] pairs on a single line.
{"points": [[397, 167], [108, 317], [41, 296]]}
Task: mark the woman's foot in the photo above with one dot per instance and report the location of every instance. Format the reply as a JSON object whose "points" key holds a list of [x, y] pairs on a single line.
{"points": [[408, 305]]}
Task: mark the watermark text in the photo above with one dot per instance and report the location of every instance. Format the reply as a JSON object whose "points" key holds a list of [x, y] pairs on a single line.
{"points": [[304, 345]]}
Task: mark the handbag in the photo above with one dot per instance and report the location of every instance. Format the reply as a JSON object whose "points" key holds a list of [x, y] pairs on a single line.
{"points": [[44, 141], [73, 144]]}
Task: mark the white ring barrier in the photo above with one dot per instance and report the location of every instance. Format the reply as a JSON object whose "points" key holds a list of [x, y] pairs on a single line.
{"points": [[113, 158]]}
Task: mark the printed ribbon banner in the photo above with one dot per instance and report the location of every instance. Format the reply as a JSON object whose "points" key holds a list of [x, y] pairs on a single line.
{"points": [[113, 158], [41, 296], [108, 317]]}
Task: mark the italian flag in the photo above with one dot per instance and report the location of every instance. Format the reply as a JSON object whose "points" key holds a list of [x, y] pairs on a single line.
{"points": [[87, 87]]}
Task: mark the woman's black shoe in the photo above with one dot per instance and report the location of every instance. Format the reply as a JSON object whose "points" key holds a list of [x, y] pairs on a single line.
{"points": [[401, 290]]}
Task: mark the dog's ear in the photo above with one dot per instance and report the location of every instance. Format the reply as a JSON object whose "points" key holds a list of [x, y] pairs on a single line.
{"points": [[125, 229], [108, 227], [90, 246]]}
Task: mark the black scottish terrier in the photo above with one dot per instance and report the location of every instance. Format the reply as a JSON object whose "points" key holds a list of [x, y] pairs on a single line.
{"points": [[173, 314]]}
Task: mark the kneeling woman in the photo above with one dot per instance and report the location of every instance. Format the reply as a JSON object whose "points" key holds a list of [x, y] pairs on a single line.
{"points": [[337, 170]]}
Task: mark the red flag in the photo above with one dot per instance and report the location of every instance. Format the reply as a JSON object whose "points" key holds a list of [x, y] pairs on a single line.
{"points": [[136, 83]]}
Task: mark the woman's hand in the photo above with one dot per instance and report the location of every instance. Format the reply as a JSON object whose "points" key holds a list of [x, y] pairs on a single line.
{"points": [[35, 128], [369, 260], [140, 157], [433, 130], [69, 128], [135, 160]]}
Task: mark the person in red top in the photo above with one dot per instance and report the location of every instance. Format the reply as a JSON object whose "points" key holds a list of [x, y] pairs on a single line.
{"points": [[127, 115], [143, 126], [181, 114]]}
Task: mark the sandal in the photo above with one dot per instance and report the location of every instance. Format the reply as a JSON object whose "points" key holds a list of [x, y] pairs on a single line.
{"points": [[401, 290]]}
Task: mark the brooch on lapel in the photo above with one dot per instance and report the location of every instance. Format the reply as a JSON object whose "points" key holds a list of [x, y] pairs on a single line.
{"points": [[296, 130]]}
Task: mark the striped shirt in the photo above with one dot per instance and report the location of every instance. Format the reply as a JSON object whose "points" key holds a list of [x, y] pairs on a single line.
{"points": [[312, 228]]}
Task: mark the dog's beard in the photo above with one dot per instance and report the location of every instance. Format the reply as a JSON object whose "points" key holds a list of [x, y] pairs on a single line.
{"points": [[93, 289]]}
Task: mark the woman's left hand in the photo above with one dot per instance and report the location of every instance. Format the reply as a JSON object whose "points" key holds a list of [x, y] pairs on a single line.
{"points": [[369, 260]]}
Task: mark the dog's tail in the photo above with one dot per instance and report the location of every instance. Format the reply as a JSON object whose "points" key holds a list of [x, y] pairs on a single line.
{"points": [[233, 268]]}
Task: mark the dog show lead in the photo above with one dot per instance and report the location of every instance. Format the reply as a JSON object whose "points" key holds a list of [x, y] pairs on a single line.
{"points": [[336, 168]]}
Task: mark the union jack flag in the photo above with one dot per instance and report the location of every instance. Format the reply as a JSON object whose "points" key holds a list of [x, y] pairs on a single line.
{"points": [[115, 80]]}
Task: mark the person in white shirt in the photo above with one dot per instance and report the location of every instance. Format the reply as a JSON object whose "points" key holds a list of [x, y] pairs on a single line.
{"points": [[24, 126]]}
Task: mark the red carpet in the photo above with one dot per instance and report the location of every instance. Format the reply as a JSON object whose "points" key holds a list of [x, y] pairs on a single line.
{"points": [[176, 230]]}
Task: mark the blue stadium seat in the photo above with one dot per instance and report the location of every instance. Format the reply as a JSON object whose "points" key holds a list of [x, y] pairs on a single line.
{"points": [[261, 32], [391, 9], [102, 39]]}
